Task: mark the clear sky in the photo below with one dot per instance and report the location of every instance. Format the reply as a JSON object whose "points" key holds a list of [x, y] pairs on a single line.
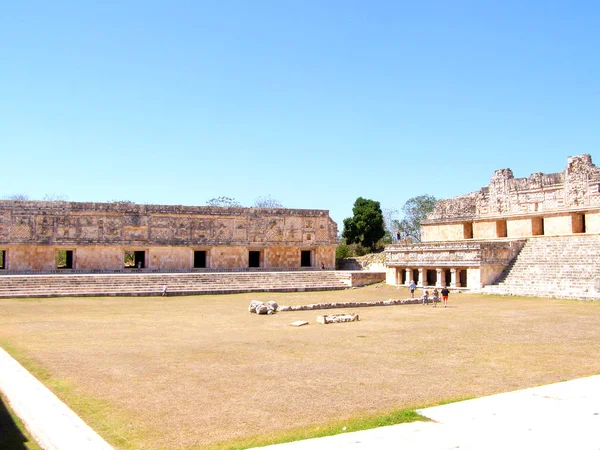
{"points": [[314, 102]]}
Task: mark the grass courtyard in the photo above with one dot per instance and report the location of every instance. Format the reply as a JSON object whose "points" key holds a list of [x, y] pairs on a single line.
{"points": [[201, 372]]}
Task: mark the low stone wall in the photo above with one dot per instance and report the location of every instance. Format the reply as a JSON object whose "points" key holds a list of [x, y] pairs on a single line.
{"points": [[364, 278], [313, 306]]}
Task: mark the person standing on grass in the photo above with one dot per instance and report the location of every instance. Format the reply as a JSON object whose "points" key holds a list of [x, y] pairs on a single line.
{"points": [[164, 290], [425, 296], [412, 288], [435, 295], [445, 294]]}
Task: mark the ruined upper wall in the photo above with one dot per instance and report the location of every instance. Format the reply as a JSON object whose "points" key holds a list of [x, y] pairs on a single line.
{"points": [[74, 223], [577, 187]]}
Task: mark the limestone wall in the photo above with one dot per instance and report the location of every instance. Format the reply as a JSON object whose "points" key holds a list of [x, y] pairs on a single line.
{"points": [[592, 222], [169, 258], [438, 232], [516, 200], [98, 234]]}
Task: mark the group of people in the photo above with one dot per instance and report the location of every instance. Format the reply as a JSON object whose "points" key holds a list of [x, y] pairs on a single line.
{"points": [[435, 294], [401, 236]]}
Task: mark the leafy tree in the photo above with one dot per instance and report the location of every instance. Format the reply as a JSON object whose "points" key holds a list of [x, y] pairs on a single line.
{"points": [[366, 227], [415, 211], [224, 201], [267, 202]]}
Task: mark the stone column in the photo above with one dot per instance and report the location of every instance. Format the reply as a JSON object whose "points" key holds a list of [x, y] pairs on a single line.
{"points": [[453, 274], [440, 277], [422, 273], [408, 276]]}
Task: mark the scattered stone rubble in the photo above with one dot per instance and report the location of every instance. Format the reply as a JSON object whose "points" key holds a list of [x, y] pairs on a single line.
{"points": [[258, 307], [337, 318]]}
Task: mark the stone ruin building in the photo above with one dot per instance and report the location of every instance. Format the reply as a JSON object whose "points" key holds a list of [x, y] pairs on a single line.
{"points": [[112, 237], [526, 236]]}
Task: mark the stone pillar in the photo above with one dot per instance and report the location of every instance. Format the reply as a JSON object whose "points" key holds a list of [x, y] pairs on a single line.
{"points": [[453, 274], [440, 277], [421, 280], [408, 276]]}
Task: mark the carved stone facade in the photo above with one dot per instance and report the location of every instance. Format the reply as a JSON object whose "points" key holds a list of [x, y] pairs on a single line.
{"points": [[561, 203], [469, 240], [98, 235]]}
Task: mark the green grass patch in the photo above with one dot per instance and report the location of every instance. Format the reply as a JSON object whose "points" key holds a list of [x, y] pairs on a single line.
{"points": [[331, 429]]}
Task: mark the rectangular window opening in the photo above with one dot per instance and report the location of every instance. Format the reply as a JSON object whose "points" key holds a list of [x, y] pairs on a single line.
{"points": [[2, 259], [305, 258], [64, 259], [199, 259]]}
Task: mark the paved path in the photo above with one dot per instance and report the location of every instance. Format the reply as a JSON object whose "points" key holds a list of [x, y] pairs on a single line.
{"points": [[557, 416]]}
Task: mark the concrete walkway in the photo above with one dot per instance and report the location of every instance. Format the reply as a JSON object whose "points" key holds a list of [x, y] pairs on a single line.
{"points": [[557, 416]]}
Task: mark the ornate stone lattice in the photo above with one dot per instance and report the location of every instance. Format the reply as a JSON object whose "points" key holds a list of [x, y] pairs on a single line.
{"points": [[106, 223], [576, 187]]}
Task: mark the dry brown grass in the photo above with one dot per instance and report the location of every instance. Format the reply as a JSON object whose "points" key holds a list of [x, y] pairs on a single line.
{"points": [[190, 372]]}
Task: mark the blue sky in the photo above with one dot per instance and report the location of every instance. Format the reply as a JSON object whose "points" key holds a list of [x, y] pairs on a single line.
{"points": [[315, 103]]}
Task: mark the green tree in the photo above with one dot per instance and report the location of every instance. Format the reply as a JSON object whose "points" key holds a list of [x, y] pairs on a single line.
{"points": [[366, 227], [415, 211]]}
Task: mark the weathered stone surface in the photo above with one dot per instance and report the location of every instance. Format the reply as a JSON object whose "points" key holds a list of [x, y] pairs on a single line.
{"points": [[259, 307], [576, 186], [299, 323], [337, 318], [98, 234], [314, 306]]}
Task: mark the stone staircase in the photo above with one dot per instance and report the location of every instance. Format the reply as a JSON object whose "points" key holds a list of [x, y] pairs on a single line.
{"points": [[144, 284], [555, 267]]}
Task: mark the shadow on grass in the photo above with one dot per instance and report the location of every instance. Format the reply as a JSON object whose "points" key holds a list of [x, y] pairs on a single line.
{"points": [[11, 436]]}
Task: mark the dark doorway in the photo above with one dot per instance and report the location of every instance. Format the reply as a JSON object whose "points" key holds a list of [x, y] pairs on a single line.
{"points": [[447, 277], [415, 275], [305, 258], [431, 277], [64, 259], [253, 259], [140, 259], [199, 259], [135, 260], [463, 278], [402, 276], [2, 259]]}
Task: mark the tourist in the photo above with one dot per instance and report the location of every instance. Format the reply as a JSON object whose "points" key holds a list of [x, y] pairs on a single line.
{"points": [[322, 265], [445, 293], [412, 288], [398, 236], [164, 290], [425, 296], [435, 295]]}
